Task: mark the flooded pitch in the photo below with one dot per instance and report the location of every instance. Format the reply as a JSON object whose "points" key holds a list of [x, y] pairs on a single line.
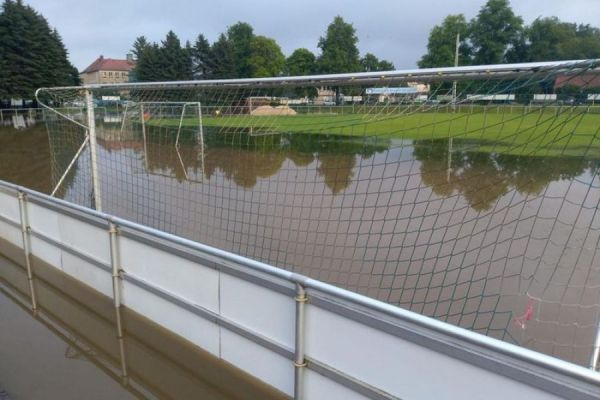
{"points": [[502, 244]]}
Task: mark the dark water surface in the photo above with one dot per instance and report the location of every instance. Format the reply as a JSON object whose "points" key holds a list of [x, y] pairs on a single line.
{"points": [[505, 245]]}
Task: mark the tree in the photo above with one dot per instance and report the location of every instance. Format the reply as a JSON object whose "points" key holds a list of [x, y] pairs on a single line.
{"points": [[549, 38], [266, 58], [140, 45], [168, 61], [201, 58], [221, 59], [149, 66], [301, 62], [240, 37], [552, 39], [175, 60], [441, 46], [385, 65], [32, 55], [494, 31], [339, 51], [587, 42], [370, 63]]}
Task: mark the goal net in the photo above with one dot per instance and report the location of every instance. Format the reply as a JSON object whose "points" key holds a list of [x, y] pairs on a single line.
{"points": [[468, 194]]}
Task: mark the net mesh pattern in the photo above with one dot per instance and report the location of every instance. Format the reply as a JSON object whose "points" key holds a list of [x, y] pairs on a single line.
{"points": [[469, 197]]}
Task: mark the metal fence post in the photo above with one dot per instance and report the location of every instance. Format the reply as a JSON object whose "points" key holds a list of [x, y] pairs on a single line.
{"points": [[91, 120], [116, 285], [299, 361], [25, 233]]}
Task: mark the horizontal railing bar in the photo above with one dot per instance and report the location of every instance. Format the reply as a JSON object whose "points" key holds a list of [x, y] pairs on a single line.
{"points": [[464, 336], [87, 258], [237, 270], [10, 221], [453, 73], [99, 220]]}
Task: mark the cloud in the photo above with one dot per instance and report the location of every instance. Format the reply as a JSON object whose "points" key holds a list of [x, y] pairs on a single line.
{"points": [[392, 29]]}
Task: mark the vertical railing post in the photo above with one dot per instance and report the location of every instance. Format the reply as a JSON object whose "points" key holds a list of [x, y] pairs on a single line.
{"points": [[113, 232], [25, 233], [299, 361], [91, 120]]}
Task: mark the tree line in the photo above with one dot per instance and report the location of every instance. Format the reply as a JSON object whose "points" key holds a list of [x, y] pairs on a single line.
{"points": [[32, 54], [497, 35], [240, 53]]}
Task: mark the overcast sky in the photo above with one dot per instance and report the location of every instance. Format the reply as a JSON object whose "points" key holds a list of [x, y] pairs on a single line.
{"points": [[396, 30]]}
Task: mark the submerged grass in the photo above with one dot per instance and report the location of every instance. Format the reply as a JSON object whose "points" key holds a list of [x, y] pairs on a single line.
{"points": [[572, 132]]}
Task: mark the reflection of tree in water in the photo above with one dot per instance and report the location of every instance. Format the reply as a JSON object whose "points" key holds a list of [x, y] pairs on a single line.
{"points": [[336, 154], [337, 170], [25, 157], [482, 177], [163, 158], [300, 159], [243, 166], [244, 158]]}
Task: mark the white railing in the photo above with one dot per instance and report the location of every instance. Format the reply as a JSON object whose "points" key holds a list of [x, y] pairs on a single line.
{"points": [[306, 338]]}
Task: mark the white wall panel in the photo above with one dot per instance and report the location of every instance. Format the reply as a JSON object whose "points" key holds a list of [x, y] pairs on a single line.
{"points": [[258, 361], [11, 234], [44, 221], [91, 275], [316, 387], [398, 366], [196, 283], [197, 330], [9, 207], [86, 238], [46, 252], [259, 309]]}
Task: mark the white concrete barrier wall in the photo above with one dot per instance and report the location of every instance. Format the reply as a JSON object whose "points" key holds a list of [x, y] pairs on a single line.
{"points": [[10, 219], [246, 314], [400, 367]]}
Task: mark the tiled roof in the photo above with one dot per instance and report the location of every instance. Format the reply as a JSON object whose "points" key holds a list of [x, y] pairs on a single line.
{"points": [[584, 81], [109, 64]]}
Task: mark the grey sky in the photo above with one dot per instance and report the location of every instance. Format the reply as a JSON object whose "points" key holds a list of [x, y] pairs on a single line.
{"points": [[396, 30]]}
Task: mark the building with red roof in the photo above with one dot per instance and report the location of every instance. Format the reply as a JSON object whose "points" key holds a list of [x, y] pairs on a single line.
{"points": [[588, 80], [108, 70]]}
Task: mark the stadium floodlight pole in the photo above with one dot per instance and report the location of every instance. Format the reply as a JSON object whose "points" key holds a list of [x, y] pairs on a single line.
{"points": [[91, 120]]}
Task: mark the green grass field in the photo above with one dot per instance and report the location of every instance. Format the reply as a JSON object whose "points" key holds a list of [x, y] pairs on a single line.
{"points": [[574, 133]]}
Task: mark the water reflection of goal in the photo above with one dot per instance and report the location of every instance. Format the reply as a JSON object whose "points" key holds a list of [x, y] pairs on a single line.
{"points": [[188, 115], [453, 206]]}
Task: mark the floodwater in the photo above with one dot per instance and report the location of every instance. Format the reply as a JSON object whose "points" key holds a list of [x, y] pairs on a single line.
{"points": [[505, 245], [69, 349]]}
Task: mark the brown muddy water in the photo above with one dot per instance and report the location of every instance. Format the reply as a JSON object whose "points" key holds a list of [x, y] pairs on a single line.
{"points": [[505, 245]]}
